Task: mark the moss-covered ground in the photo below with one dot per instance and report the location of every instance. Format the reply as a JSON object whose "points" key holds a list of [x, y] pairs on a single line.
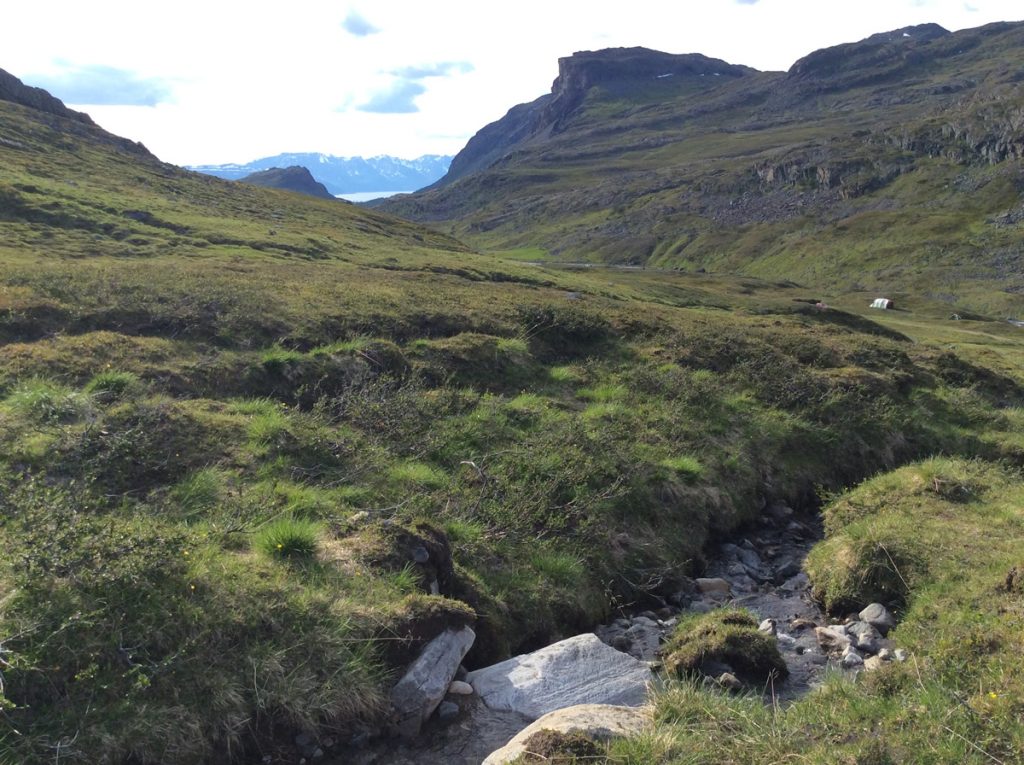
{"points": [[254, 454]]}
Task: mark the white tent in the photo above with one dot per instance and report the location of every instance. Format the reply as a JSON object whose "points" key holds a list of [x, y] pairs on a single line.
{"points": [[882, 303]]}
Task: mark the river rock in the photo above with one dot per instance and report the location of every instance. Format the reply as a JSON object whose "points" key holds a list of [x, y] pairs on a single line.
{"points": [[852, 659], [730, 682], [715, 588], [873, 662], [415, 697], [878, 616], [832, 639], [460, 688], [865, 637], [579, 670], [447, 710], [749, 558], [644, 639], [797, 582], [598, 722]]}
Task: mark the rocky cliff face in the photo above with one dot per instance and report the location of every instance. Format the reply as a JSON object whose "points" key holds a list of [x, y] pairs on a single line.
{"points": [[14, 90], [915, 135], [617, 70], [60, 117]]}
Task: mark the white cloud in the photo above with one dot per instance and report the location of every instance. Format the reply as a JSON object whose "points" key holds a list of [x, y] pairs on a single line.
{"points": [[254, 78]]}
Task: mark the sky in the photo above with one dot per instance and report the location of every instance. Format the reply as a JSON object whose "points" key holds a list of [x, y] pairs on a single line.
{"points": [[218, 81]]}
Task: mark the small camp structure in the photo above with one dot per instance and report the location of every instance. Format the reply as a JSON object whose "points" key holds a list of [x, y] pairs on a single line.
{"points": [[882, 303]]}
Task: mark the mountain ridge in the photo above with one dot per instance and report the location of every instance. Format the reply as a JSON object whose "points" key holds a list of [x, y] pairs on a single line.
{"points": [[780, 174], [345, 175]]}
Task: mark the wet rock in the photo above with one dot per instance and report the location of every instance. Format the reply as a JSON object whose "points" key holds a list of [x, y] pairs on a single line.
{"points": [[801, 624], [597, 722], [447, 710], [852, 660], [715, 588], [579, 670], [832, 639], [749, 558], [415, 697], [767, 626], [878, 616], [865, 637], [796, 583], [644, 639], [785, 568]]}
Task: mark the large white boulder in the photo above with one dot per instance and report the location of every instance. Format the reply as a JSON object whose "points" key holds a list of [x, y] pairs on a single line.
{"points": [[415, 697], [598, 722], [579, 670]]}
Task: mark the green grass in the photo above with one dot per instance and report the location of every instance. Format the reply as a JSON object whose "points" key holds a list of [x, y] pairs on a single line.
{"points": [[45, 401], [957, 700], [354, 388], [292, 539]]}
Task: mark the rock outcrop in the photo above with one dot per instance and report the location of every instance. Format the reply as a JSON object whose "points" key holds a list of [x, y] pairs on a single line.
{"points": [[424, 685], [579, 670], [14, 90]]}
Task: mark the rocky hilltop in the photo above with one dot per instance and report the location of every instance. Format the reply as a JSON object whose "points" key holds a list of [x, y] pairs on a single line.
{"points": [[71, 122], [615, 70], [907, 141], [293, 178]]}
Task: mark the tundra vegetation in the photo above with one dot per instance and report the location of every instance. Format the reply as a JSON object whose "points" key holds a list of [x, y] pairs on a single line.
{"points": [[256, 449]]}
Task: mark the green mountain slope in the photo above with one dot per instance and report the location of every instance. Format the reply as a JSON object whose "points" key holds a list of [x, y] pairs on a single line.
{"points": [[892, 163], [257, 448]]}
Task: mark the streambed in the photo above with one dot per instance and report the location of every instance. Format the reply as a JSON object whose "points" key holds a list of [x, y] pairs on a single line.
{"points": [[761, 569]]}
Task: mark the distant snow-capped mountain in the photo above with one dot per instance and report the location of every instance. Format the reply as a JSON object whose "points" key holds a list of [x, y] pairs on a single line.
{"points": [[346, 175]]}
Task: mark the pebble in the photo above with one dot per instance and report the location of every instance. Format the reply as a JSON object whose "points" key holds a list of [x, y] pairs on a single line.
{"points": [[447, 710], [460, 688]]}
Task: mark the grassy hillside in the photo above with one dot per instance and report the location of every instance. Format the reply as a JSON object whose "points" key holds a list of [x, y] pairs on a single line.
{"points": [[890, 164], [255, 449]]}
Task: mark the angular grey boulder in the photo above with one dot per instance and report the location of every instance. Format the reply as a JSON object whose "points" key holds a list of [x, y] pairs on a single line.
{"points": [[415, 697], [579, 670], [878, 616]]}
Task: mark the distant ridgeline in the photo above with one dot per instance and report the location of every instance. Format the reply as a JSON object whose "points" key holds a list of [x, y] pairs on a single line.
{"points": [[893, 161], [346, 175]]}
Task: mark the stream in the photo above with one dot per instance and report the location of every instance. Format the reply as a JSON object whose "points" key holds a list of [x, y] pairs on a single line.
{"points": [[760, 570]]}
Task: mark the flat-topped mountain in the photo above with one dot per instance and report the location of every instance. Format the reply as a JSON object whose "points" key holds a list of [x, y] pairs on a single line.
{"points": [[292, 178], [890, 162]]}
